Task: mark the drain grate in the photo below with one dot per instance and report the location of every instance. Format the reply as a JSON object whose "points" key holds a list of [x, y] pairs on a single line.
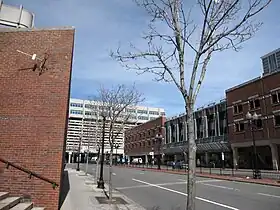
{"points": [[115, 200]]}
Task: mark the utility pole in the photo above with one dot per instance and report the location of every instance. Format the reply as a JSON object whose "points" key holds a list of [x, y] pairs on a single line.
{"points": [[100, 183]]}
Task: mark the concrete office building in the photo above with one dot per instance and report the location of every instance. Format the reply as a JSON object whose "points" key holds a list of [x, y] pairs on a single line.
{"points": [[210, 134], [85, 120]]}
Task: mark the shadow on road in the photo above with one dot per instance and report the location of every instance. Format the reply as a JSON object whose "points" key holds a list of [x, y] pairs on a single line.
{"points": [[64, 188]]}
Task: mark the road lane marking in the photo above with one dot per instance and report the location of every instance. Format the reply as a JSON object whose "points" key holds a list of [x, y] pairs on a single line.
{"points": [[141, 186], [269, 195], [114, 174], [184, 194], [219, 186], [204, 181]]}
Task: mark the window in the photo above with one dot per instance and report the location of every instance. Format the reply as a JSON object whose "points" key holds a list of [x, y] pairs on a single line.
{"points": [[254, 104], [259, 123], [89, 106], [131, 110], [152, 118], [76, 105], [143, 118], [142, 111], [277, 120], [275, 97], [238, 109], [76, 112], [162, 113], [153, 113], [239, 127]]}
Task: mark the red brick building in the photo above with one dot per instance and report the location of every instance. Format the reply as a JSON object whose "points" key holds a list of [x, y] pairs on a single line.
{"points": [[261, 96], [142, 142], [34, 110]]}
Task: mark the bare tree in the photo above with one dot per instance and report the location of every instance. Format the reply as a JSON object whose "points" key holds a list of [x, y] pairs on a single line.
{"points": [[114, 102], [225, 24]]}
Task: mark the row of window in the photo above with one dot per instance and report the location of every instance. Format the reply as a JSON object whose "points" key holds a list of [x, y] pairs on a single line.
{"points": [[255, 103], [139, 144], [240, 126], [139, 136]]}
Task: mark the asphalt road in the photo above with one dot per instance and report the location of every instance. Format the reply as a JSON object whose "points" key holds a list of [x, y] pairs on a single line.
{"points": [[163, 191]]}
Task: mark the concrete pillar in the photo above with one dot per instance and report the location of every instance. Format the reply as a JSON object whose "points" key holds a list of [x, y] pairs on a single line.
{"points": [[146, 159], [215, 125], [275, 156], [69, 157], [206, 158], [177, 132], [195, 129], [235, 157], [128, 160], [206, 126], [218, 124], [184, 131], [169, 134]]}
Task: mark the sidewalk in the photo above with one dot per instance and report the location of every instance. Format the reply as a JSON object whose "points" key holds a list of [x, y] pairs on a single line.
{"points": [[82, 194], [270, 182]]}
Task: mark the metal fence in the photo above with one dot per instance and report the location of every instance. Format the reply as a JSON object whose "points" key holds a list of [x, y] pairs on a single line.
{"points": [[242, 173]]}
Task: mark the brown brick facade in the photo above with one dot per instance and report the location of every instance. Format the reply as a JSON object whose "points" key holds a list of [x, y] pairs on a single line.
{"points": [[260, 96], [34, 110], [140, 140], [256, 96]]}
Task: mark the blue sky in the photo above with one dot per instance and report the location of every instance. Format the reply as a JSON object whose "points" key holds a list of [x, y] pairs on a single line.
{"points": [[100, 26]]}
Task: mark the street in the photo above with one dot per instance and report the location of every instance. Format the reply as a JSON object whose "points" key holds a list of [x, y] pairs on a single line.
{"points": [[163, 191]]}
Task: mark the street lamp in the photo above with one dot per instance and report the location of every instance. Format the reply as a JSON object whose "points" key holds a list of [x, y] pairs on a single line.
{"points": [[252, 122], [100, 183], [117, 145], [79, 152], [158, 140]]}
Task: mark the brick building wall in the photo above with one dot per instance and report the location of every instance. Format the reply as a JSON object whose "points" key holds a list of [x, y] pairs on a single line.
{"points": [[34, 110], [255, 96], [139, 140], [261, 96]]}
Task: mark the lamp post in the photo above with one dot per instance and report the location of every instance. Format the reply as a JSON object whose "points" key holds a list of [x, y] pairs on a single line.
{"points": [[100, 183], [158, 140], [79, 152], [252, 119], [117, 145]]}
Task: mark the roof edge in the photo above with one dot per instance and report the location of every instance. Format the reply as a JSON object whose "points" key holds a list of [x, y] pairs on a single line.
{"points": [[7, 29]]}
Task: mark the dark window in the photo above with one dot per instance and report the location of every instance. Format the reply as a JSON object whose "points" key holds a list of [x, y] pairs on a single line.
{"points": [[259, 123], [275, 98], [277, 120], [238, 108], [255, 103], [239, 127]]}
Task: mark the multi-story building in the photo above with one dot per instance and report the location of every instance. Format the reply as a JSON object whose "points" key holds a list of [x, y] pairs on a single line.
{"points": [[142, 141], [271, 62], [210, 134], [261, 96], [85, 126]]}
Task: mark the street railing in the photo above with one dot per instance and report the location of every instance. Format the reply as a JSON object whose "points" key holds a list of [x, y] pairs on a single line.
{"points": [[30, 173], [245, 173]]}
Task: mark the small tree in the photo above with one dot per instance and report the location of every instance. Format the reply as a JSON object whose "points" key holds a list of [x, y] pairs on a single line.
{"points": [[114, 102], [225, 24]]}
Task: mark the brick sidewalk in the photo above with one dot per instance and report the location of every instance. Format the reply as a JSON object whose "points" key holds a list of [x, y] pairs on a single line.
{"points": [[82, 193], [270, 182]]}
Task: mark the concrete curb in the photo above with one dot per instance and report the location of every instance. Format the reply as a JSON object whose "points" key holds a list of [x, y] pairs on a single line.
{"points": [[235, 179]]}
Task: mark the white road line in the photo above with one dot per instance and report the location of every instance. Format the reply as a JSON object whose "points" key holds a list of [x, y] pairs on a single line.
{"points": [[114, 174], [274, 196], [222, 187], [184, 194], [204, 181], [141, 186]]}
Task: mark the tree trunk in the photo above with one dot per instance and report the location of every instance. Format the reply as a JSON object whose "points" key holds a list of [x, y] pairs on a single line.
{"points": [[191, 191], [110, 176]]}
